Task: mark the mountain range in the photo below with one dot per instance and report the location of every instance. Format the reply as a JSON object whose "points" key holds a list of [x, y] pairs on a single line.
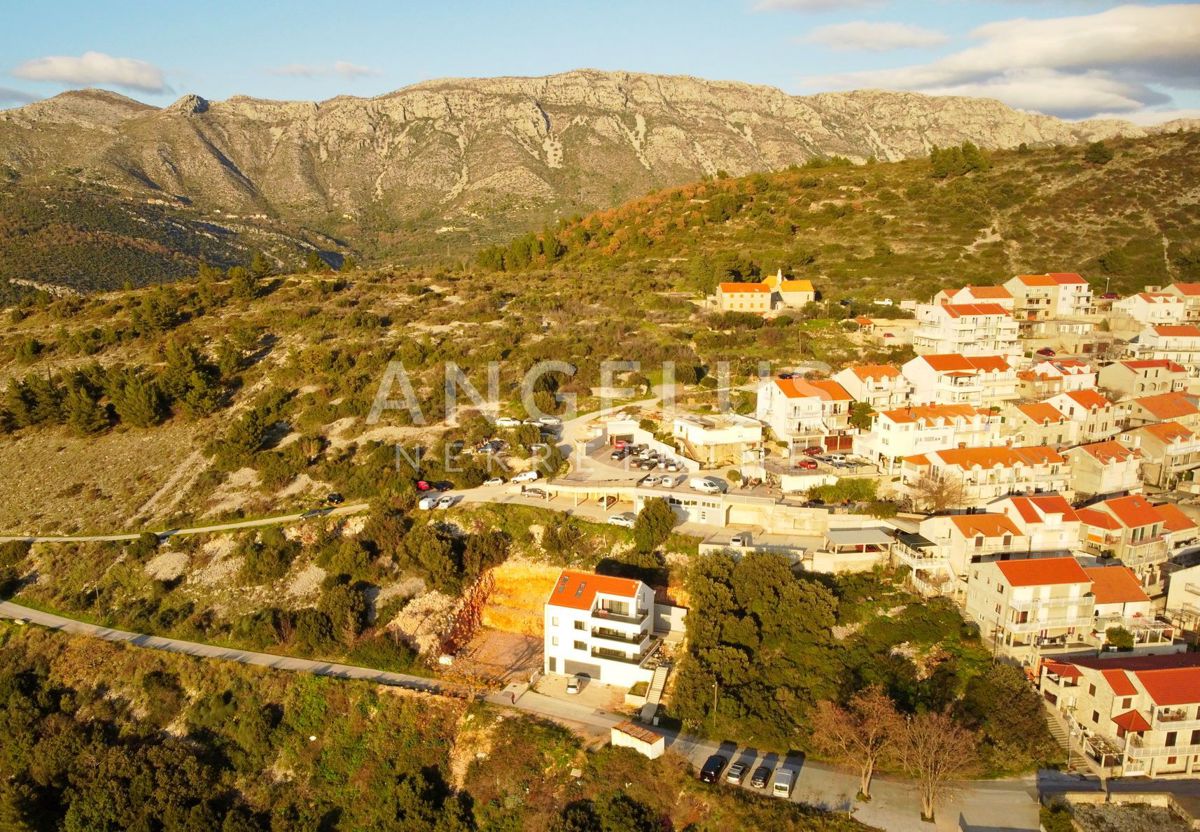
{"points": [[429, 171]]}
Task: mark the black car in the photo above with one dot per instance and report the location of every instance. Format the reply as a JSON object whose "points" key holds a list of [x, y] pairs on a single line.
{"points": [[762, 776], [713, 767], [335, 499]]}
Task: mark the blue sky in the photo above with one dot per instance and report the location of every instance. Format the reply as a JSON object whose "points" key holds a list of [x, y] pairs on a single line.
{"points": [[1074, 58]]}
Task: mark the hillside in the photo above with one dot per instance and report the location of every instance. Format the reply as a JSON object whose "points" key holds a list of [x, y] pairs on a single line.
{"points": [[899, 230], [427, 172]]}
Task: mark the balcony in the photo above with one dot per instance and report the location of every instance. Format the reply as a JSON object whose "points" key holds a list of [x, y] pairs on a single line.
{"points": [[1063, 623], [616, 656], [623, 638], [1137, 749], [602, 614], [1050, 603]]}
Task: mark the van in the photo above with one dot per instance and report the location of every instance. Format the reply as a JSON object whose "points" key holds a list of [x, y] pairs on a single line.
{"points": [[427, 503], [784, 779], [706, 485], [526, 476]]}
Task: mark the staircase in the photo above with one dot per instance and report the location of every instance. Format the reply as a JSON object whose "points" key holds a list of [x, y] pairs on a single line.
{"points": [[1058, 730], [658, 683]]}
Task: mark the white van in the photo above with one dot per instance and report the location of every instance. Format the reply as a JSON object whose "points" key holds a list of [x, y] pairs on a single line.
{"points": [[427, 503], [526, 476], [784, 778], [705, 484]]}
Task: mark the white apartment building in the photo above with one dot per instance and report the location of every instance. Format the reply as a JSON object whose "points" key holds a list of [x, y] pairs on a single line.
{"points": [[966, 329], [1018, 604], [1131, 530], [1097, 417], [600, 626], [1183, 597], [1039, 423], [978, 380], [1136, 378], [1046, 521], [718, 439], [1043, 297], [1190, 293], [1152, 308], [987, 474], [1133, 716], [976, 294], [906, 431], [1170, 452], [945, 546], [882, 386], [1072, 373], [1179, 343], [804, 412], [1104, 468]]}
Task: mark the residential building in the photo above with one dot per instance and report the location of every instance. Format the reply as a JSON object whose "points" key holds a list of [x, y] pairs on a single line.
{"points": [[795, 294], [917, 429], [1133, 716], [1036, 602], [804, 412], [1161, 407], [965, 329], [1190, 293], [719, 439], [881, 386], [1170, 452], [744, 297], [1152, 308], [1179, 343], [983, 475], [979, 380], [1043, 297], [1039, 423], [1121, 602], [1097, 417], [944, 548], [1136, 378], [1061, 375], [600, 626], [1104, 468], [1179, 529], [1046, 521], [1131, 530], [976, 294], [1183, 598]]}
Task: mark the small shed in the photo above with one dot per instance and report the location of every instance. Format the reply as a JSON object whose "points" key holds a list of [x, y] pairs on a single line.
{"points": [[641, 739]]}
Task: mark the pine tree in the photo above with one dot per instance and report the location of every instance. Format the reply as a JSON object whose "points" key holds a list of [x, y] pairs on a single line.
{"points": [[83, 412], [138, 401]]}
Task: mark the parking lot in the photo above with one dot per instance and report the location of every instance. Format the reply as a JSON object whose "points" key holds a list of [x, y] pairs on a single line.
{"points": [[751, 759]]}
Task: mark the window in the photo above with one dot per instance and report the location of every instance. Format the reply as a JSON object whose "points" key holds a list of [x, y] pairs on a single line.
{"points": [[1096, 717], [1126, 703], [1171, 735], [554, 621], [581, 645], [554, 641], [578, 625], [1091, 690]]}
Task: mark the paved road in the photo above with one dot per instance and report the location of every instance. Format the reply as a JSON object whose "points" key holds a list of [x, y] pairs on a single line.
{"points": [[209, 651], [353, 508]]}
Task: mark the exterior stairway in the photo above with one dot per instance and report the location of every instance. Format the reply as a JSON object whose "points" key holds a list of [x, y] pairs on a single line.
{"points": [[654, 692], [1058, 729]]}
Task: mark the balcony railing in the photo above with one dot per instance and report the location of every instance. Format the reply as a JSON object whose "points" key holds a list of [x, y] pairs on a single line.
{"points": [[624, 638], [1049, 624], [616, 656], [1177, 715], [1051, 602], [601, 614], [1138, 749]]}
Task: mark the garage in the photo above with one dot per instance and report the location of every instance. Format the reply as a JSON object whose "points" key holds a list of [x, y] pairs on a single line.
{"points": [[573, 668]]}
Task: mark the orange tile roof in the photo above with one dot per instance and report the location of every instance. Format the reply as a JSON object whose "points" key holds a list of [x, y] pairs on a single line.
{"points": [[989, 292], [1187, 288], [1034, 509], [917, 459], [953, 362], [1119, 682], [1088, 399], [796, 286], [933, 412], [988, 525], [1153, 364], [1133, 511], [1167, 432], [1131, 720], [998, 455], [863, 320], [1099, 519], [577, 590], [1108, 451], [1174, 519], [1178, 331], [1042, 571], [959, 310], [1158, 297], [1067, 278], [1041, 412], [1115, 585], [822, 388], [1171, 685], [866, 371], [727, 288], [1051, 279], [1167, 405]]}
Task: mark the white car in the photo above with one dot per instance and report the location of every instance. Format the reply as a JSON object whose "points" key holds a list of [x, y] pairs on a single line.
{"points": [[427, 503], [494, 481], [706, 485], [573, 685], [625, 520], [508, 422], [784, 778], [550, 421], [447, 501], [527, 476]]}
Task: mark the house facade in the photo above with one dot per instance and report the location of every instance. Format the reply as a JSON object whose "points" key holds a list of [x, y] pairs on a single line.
{"points": [[1036, 602], [803, 412], [1131, 530], [980, 380], [1190, 294], [600, 626], [1152, 308], [718, 439], [1169, 450], [1137, 378], [881, 386], [1097, 417], [906, 431], [1104, 468], [982, 475], [755, 298], [1039, 423], [1179, 343], [1043, 297], [965, 329]]}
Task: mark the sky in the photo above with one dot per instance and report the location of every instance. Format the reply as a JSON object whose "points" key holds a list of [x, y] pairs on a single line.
{"points": [[1069, 58]]}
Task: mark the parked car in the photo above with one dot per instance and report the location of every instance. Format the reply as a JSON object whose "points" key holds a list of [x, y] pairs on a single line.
{"points": [[737, 773], [807, 464], [527, 476], [335, 499], [608, 500], [427, 503], [625, 520], [784, 781], [1047, 352], [786, 376], [762, 776], [713, 766], [423, 486], [836, 459], [537, 493], [619, 454], [706, 485], [672, 465], [447, 501], [573, 685], [550, 421], [494, 481], [814, 450], [740, 539], [508, 422]]}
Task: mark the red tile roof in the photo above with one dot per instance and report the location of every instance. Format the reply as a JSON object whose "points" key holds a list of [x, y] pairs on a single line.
{"points": [[1174, 520], [1099, 519], [997, 455], [1115, 585], [1171, 686], [1119, 682], [1109, 451], [577, 590], [1167, 405], [1187, 288], [866, 371], [743, 287], [1178, 331], [1167, 432], [988, 525], [1132, 721], [822, 388], [1034, 509], [1088, 399], [954, 362], [959, 310], [1042, 571], [1153, 364], [1041, 412], [932, 412], [1051, 279], [1133, 511], [989, 292]]}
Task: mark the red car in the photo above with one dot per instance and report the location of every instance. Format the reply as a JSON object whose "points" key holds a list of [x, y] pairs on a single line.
{"points": [[809, 464], [423, 486], [1046, 351], [814, 450]]}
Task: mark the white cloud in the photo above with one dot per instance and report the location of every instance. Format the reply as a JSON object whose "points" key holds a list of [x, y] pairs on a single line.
{"points": [[14, 98], [874, 37], [812, 5], [94, 68], [1111, 61], [341, 69]]}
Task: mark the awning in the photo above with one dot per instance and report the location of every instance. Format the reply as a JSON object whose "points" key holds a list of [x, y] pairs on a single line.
{"points": [[1132, 721], [858, 537]]}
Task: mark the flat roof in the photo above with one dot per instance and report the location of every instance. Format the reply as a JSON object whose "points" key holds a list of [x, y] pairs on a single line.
{"points": [[858, 537]]}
